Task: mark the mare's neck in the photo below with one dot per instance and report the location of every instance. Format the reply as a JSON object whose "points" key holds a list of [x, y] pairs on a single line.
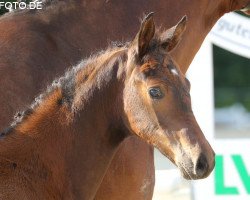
{"points": [[98, 17], [201, 19], [88, 25], [72, 144]]}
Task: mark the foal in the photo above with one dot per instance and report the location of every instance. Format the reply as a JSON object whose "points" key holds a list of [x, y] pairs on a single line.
{"points": [[61, 147]]}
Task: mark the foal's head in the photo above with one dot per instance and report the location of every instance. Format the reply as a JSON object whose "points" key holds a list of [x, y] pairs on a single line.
{"points": [[157, 102]]}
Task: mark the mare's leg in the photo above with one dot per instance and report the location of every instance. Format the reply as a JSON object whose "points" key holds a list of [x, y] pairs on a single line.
{"points": [[131, 173]]}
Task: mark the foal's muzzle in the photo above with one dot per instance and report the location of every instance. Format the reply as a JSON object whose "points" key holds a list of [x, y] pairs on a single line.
{"points": [[199, 169]]}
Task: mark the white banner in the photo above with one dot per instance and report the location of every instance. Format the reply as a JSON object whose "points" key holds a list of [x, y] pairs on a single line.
{"points": [[232, 32]]}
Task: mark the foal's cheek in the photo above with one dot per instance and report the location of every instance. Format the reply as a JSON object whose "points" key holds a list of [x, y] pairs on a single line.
{"points": [[164, 107], [139, 111]]}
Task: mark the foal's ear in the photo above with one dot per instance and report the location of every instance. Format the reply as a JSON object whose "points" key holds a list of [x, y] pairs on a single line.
{"points": [[172, 36], [145, 35]]}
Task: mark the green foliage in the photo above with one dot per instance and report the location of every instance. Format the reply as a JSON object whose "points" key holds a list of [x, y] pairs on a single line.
{"points": [[231, 78], [243, 14], [3, 10]]}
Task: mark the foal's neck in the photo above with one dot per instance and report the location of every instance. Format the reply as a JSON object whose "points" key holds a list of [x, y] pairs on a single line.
{"points": [[71, 142]]}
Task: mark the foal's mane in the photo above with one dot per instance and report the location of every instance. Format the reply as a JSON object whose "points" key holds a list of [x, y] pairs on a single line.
{"points": [[73, 79]]}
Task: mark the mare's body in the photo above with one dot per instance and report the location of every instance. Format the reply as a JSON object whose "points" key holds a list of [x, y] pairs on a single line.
{"points": [[36, 46]]}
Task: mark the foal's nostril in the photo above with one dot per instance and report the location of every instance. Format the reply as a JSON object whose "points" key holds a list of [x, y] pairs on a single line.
{"points": [[201, 166]]}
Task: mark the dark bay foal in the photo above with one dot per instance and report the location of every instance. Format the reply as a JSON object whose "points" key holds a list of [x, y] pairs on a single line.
{"points": [[61, 147]]}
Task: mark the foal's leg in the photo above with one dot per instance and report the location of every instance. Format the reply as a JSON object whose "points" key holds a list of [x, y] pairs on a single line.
{"points": [[131, 173]]}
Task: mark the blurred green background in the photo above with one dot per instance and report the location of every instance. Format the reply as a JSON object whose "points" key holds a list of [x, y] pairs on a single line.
{"points": [[3, 10]]}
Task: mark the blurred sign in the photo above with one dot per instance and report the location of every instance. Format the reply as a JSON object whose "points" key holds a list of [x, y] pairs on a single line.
{"points": [[220, 175], [231, 177], [232, 32]]}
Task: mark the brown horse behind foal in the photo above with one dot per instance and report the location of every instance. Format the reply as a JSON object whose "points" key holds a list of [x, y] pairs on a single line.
{"points": [[61, 147]]}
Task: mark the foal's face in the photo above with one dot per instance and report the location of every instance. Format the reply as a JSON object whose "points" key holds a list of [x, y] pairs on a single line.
{"points": [[158, 107]]}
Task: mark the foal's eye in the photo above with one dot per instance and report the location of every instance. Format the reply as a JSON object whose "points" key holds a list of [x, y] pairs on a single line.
{"points": [[155, 93]]}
